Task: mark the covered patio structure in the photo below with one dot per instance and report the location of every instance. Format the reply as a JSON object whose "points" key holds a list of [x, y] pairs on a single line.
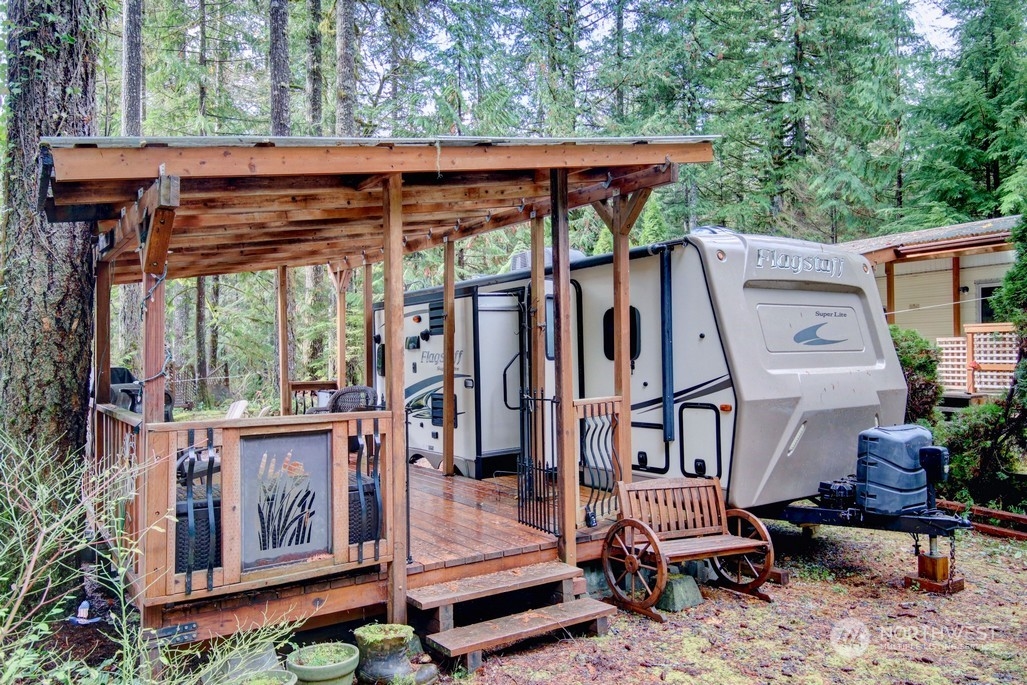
{"points": [[241, 521]]}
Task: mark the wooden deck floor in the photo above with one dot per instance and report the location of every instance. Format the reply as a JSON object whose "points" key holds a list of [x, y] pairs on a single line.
{"points": [[459, 521]]}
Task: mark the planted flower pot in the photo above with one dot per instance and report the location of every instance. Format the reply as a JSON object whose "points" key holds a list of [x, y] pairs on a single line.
{"points": [[270, 677], [327, 663], [384, 658]]}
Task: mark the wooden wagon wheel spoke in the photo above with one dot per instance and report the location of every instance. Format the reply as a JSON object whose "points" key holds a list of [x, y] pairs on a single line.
{"points": [[635, 569], [745, 572]]}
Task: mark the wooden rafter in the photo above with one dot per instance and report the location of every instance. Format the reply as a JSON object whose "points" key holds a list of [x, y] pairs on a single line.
{"points": [[321, 201]]}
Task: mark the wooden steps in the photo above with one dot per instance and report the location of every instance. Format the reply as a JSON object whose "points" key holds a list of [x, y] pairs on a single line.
{"points": [[563, 582], [470, 641]]}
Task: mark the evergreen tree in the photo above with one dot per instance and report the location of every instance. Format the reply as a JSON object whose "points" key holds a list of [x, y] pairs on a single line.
{"points": [[971, 161]]}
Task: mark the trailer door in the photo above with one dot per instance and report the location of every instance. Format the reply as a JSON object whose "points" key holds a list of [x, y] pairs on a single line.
{"points": [[498, 373]]}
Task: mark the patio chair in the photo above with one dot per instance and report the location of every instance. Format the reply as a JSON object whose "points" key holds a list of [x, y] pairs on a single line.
{"points": [[352, 398]]}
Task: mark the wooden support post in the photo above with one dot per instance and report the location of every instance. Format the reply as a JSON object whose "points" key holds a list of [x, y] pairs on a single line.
{"points": [[369, 373], [538, 332], [449, 358], [102, 335], [341, 286], [957, 313], [101, 354], [566, 453], [284, 390], [392, 216], [622, 345], [153, 348], [889, 285]]}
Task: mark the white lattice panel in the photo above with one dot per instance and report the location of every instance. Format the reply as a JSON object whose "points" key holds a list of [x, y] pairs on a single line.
{"points": [[993, 382], [952, 364], [995, 348]]}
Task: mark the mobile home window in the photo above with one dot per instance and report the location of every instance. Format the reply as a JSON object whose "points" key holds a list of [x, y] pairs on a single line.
{"points": [[987, 313], [636, 326]]}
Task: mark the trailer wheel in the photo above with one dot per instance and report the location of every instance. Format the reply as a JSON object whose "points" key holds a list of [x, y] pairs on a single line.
{"points": [[633, 564], [745, 572]]}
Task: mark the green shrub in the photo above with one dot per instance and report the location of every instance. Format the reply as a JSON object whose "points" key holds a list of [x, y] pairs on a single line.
{"points": [[919, 361], [983, 455]]}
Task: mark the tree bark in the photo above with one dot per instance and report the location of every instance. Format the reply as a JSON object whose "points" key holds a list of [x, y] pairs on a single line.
{"points": [[215, 329], [279, 58], [46, 274], [315, 75], [129, 329], [202, 388], [346, 70], [132, 69]]}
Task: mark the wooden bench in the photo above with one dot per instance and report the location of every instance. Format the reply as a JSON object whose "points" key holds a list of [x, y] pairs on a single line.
{"points": [[671, 520]]}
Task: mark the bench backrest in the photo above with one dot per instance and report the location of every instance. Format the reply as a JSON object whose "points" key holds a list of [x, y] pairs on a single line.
{"points": [[675, 507]]}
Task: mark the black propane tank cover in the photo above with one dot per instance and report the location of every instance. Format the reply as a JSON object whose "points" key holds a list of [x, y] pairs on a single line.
{"points": [[935, 461]]}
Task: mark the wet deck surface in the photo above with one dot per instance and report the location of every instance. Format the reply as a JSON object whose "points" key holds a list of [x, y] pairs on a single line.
{"points": [[460, 521]]}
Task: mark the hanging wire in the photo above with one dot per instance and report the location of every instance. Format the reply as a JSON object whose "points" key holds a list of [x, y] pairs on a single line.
{"points": [[937, 306], [163, 369], [149, 293]]}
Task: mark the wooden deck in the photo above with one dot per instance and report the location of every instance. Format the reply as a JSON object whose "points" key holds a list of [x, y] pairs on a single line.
{"points": [[459, 521], [459, 528]]}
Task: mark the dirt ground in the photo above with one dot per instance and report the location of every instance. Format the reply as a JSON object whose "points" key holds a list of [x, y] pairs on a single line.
{"points": [[845, 617]]}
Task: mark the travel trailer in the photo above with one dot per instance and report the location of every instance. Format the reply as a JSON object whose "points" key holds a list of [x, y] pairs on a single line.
{"points": [[755, 359]]}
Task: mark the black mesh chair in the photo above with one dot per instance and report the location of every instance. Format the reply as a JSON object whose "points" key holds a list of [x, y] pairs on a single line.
{"points": [[352, 398]]}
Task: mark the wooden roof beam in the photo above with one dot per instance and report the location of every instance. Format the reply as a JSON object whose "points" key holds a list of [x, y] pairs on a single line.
{"points": [[650, 177], [112, 164], [157, 238]]}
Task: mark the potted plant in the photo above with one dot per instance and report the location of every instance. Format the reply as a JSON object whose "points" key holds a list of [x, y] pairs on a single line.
{"points": [[384, 658], [328, 663], [271, 677]]}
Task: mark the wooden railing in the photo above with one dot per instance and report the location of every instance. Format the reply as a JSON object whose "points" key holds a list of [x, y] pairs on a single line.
{"points": [[304, 393], [238, 505], [982, 361], [112, 470], [599, 462]]}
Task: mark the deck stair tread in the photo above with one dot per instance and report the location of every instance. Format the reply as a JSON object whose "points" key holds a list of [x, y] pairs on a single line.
{"points": [[510, 629], [489, 584]]}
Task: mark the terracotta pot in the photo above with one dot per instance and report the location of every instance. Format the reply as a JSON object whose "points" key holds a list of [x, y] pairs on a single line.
{"points": [[327, 663]]}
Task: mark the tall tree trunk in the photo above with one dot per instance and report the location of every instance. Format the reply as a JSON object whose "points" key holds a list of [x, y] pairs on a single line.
{"points": [[279, 27], [200, 339], [315, 74], [215, 330], [130, 328], [132, 69], [203, 68], [317, 307], [346, 69], [46, 314]]}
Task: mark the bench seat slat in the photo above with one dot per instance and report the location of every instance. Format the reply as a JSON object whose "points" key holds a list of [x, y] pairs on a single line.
{"points": [[686, 549]]}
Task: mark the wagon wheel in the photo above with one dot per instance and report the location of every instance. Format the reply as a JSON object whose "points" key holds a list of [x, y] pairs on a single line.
{"points": [[745, 572], [635, 568]]}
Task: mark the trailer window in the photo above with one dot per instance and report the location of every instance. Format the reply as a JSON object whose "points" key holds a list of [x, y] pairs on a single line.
{"points": [[436, 317], [636, 327], [437, 402], [379, 360]]}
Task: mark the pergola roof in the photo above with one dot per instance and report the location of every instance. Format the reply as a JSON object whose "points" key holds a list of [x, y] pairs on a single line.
{"points": [[224, 205], [976, 237]]}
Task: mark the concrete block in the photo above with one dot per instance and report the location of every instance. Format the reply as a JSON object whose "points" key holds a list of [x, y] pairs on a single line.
{"points": [[595, 581], [681, 592], [700, 570]]}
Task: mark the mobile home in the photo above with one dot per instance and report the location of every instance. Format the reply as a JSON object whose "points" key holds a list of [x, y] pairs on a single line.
{"points": [[754, 359]]}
